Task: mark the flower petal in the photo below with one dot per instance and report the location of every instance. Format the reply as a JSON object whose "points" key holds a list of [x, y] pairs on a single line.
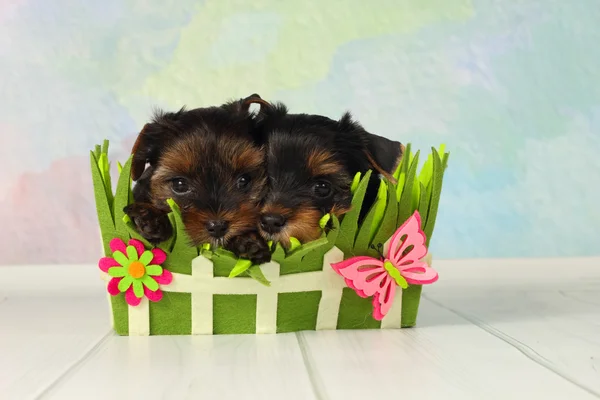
{"points": [[153, 295], [165, 278], [106, 262], [113, 286], [131, 298], [159, 256], [125, 283], [117, 272], [149, 282], [117, 245], [146, 257], [138, 288], [121, 258], [154, 270], [132, 253], [139, 246]]}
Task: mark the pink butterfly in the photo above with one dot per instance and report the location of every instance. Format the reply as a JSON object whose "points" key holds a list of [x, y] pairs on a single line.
{"points": [[369, 276]]}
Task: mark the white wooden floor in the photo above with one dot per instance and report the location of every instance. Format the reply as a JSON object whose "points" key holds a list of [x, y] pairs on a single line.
{"points": [[488, 329]]}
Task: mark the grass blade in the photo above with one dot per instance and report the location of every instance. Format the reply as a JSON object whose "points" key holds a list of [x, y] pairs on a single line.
{"points": [[240, 267], [349, 225], [180, 259], [405, 205], [300, 252], [423, 206], [368, 227], [105, 217], [256, 273], [436, 190], [403, 170], [388, 223], [122, 196]]}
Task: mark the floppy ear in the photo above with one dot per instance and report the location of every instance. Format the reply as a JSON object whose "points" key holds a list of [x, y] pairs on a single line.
{"points": [[151, 140], [384, 152], [368, 150]]}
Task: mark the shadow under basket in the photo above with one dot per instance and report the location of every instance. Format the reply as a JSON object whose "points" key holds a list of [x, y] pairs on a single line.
{"points": [[178, 289]]}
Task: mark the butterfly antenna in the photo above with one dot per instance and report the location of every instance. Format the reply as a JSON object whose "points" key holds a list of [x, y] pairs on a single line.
{"points": [[378, 249]]}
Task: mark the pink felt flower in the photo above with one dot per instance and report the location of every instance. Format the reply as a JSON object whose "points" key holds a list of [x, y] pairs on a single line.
{"points": [[135, 271]]}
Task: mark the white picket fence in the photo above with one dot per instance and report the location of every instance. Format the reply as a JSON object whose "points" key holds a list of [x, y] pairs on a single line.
{"points": [[202, 285]]}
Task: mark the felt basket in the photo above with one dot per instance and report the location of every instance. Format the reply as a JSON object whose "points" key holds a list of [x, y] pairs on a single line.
{"points": [[198, 290]]}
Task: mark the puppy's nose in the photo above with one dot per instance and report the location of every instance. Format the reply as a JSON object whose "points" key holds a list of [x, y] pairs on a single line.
{"points": [[272, 223], [217, 228]]}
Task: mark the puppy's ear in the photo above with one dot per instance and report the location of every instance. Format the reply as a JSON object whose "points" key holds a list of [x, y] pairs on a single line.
{"points": [[381, 154], [151, 139], [384, 152]]}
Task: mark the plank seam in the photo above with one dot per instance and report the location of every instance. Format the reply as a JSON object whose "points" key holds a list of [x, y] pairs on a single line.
{"points": [[521, 347], [74, 366], [313, 376]]}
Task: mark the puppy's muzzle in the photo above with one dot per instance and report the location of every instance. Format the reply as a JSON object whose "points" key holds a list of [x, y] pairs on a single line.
{"points": [[272, 223], [217, 228]]}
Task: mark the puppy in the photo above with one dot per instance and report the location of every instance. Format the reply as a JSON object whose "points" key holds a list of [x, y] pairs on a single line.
{"points": [[311, 162], [206, 161]]}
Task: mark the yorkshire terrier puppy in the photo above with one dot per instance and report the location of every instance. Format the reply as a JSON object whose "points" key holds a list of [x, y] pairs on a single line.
{"points": [[205, 159], [311, 162]]}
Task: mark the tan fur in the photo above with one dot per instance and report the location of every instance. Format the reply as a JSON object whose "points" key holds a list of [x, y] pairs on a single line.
{"points": [[303, 225], [242, 220], [183, 159], [321, 162]]}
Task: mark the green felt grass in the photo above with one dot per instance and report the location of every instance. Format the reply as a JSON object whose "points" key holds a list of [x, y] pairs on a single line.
{"points": [[396, 202], [223, 263], [121, 200], [172, 315], [356, 312], [120, 314], [234, 314], [410, 305], [180, 257], [297, 311]]}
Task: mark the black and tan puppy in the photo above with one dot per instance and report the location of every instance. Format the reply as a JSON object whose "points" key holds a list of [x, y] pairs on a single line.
{"points": [[311, 162], [206, 161]]}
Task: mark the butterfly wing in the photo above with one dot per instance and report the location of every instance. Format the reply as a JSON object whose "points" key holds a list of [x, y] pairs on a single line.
{"points": [[383, 299], [362, 274], [418, 273], [368, 277], [408, 261], [409, 234]]}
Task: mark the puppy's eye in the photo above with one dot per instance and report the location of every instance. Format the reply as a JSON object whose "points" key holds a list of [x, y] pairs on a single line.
{"points": [[322, 189], [180, 186], [243, 181]]}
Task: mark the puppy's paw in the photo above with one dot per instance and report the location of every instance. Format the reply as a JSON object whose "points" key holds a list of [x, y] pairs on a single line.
{"points": [[150, 222], [251, 246]]}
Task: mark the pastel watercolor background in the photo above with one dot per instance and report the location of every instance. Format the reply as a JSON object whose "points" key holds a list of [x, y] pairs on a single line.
{"points": [[510, 86]]}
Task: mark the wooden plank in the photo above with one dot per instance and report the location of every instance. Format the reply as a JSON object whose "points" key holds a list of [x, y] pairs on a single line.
{"points": [[549, 309], [194, 367], [41, 338], [490, 329], [554, 319], [445, 358]]}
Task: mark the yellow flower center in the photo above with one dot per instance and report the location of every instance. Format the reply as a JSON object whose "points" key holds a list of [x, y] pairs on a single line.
{"points": [[137, 269]]}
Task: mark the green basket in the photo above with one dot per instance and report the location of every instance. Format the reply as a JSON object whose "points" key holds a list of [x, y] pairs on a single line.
{"points": [[212, 292]]}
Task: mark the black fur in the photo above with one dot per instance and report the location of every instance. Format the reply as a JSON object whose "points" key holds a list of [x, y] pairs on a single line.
{"points": [[208, 137], [290, 139]]}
